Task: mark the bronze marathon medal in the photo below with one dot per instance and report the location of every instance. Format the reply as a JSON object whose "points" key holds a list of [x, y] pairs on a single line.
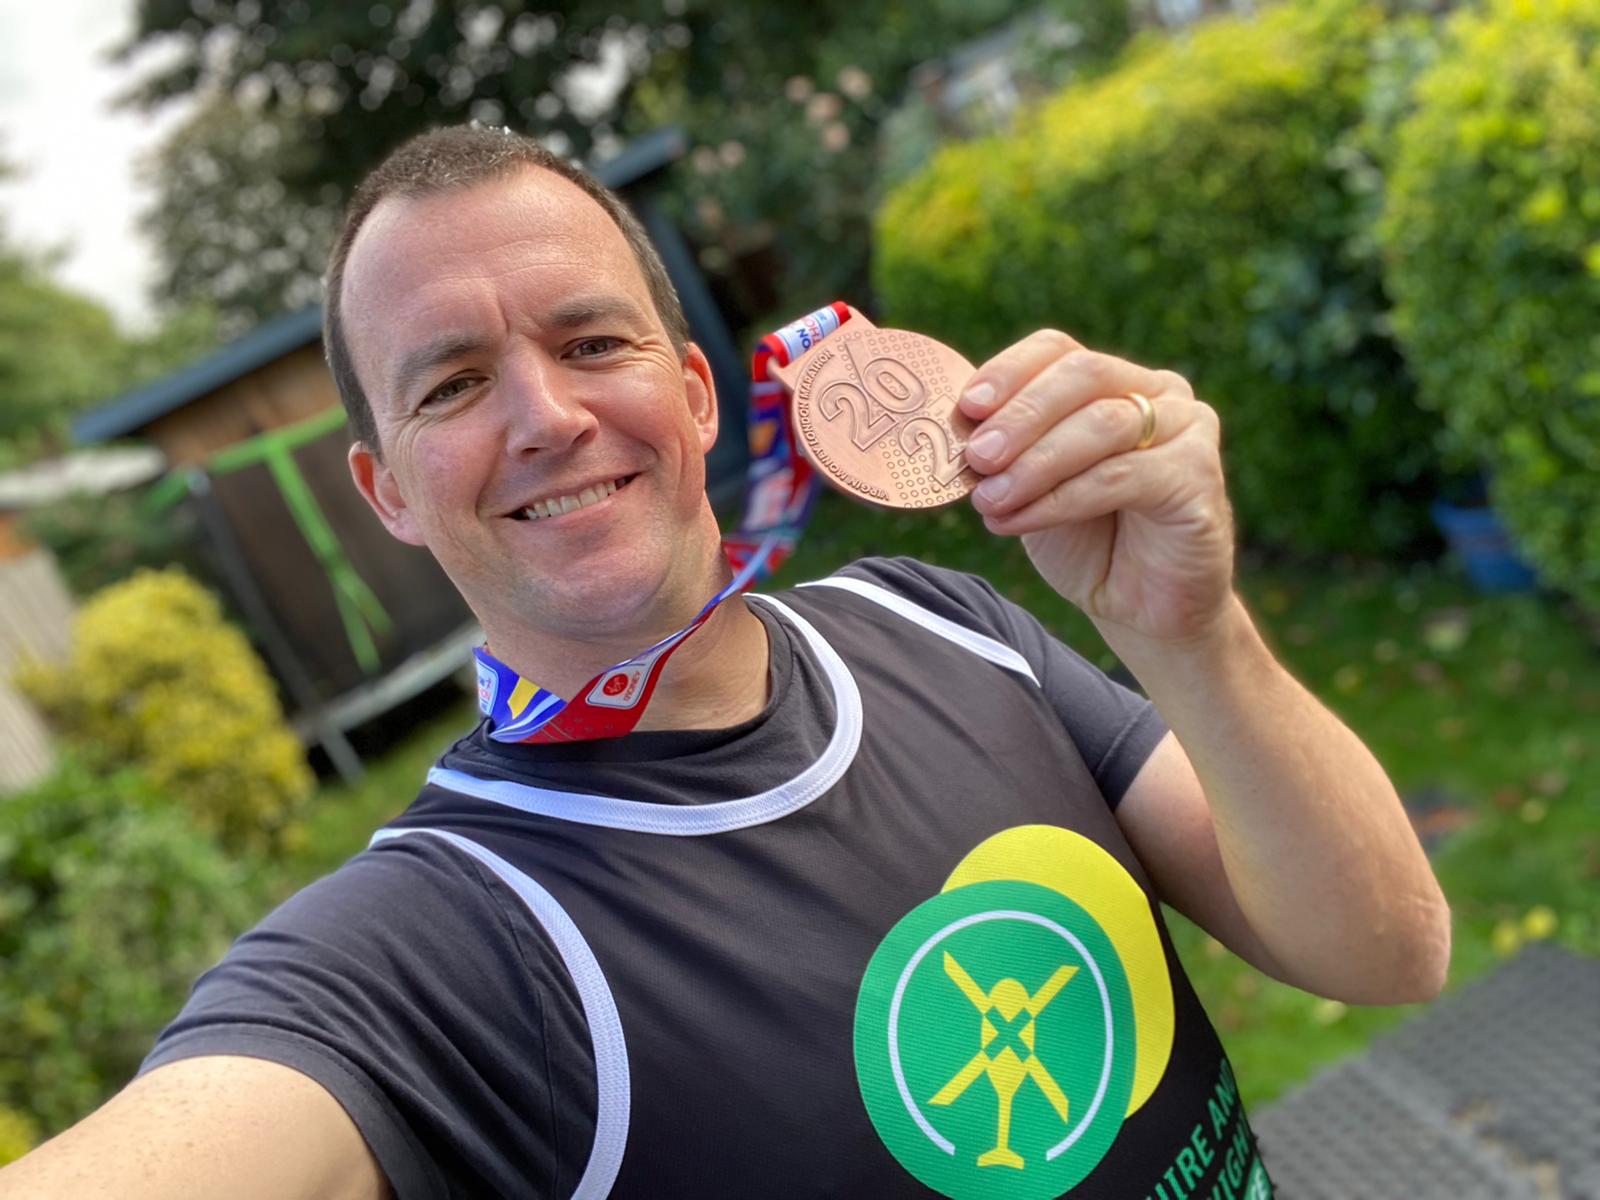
{"points": [[875, 412]]}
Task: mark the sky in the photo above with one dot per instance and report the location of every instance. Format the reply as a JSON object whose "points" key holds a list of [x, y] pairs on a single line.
{"points": [[75, 153]]}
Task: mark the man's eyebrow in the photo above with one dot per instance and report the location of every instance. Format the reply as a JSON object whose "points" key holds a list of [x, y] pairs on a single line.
{"points": [[585, 310], [569, 314], [421, 362]]}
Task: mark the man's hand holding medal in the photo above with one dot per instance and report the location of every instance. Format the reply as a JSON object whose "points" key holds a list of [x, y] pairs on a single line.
{"points": [[1109, 471]]}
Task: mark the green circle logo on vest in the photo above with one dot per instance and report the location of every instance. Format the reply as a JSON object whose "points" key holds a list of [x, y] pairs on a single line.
{"points": [[997, 1037], [994, 1042]]}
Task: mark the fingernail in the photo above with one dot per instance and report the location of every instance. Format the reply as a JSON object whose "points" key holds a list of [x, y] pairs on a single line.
{"points": [[991, 443], [994, 489], [980, 395]]}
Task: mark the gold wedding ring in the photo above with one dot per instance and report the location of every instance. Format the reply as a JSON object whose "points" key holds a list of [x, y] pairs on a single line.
{"points": [[1147, 433]]}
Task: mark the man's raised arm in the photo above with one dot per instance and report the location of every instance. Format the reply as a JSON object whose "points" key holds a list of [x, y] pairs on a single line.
{"points": [[205, 1127]]}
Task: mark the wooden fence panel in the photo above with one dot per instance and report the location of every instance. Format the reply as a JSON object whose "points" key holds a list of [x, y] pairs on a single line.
{"points": [[35, 624], [418, 597]]}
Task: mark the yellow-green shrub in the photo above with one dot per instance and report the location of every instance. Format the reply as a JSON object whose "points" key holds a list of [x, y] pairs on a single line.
{"points": [[18, 1135], [159, 680], [1491, 234], [1193, 210]]}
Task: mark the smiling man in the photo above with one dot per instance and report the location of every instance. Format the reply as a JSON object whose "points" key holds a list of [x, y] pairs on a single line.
{"points": [[866, 905]]}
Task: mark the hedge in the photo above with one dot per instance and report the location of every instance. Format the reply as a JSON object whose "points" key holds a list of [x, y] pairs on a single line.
{"points": [[1491, 237], [1196, 209], [111, 906]]}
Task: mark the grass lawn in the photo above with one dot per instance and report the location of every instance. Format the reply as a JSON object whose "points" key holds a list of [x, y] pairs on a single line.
{"points": [[1483, 710]]}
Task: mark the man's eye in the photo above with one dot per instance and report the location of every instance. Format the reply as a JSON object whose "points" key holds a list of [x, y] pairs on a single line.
{"points": [[595, 346], [449, 389]]}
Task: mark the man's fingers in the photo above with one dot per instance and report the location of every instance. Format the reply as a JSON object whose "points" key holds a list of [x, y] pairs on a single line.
{"points": [[1135, 480], [999, 379], [1056, 392], [1064, 450]]}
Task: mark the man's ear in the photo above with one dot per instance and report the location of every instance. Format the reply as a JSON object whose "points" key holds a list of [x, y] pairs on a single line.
{"points": [[701, 392], [378, 487]]}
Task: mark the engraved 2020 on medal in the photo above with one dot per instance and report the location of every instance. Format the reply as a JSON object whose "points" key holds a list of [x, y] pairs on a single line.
{"points": [[875, 412]]}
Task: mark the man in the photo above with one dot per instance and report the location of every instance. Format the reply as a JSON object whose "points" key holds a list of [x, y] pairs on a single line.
{"points": [[865, 905]]}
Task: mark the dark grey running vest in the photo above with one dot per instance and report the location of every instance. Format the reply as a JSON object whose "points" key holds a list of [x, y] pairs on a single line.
{"points": [[919, 958]]}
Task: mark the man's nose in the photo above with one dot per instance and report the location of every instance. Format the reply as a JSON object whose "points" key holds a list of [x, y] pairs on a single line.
{"points": [[543, 408]]}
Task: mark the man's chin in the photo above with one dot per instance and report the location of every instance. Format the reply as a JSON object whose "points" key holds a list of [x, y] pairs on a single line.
{"points": [[625, 606]]}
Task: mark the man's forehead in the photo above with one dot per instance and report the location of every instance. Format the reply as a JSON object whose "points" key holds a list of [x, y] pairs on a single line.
{"points": [[532, 213], [416, 256]]}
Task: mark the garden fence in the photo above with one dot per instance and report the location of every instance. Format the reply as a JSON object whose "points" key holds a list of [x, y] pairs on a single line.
{"points": [[35, 625]]}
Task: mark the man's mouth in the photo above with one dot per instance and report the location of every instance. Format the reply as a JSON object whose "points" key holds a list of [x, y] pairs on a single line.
{"points": [[555, 506]]}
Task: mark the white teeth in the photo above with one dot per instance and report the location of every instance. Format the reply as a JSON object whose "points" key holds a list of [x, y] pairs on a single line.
{"points": [[565, 504]]}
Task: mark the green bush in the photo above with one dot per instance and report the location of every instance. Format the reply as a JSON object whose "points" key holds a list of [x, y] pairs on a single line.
{"points": [[109, 907], [1491, 235], [1196, 209], [158, 680], [98, 540]]}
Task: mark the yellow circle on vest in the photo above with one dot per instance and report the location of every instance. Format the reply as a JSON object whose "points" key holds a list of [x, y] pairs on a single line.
{"points": [[1087, 874]]}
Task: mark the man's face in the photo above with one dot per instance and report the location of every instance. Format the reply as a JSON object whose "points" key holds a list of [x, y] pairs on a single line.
{"points": [[538, 431]]}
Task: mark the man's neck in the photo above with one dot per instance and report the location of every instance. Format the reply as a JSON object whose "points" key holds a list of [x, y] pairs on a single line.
{"points": [[715, 678]]}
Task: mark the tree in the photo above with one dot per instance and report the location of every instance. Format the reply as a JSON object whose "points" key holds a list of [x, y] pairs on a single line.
{"points": [[308, 98], [61, 352], [226, 231], [58, 351]]}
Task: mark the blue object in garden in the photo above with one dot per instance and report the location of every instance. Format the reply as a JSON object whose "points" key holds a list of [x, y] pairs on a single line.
{"points": [[1480, 540]]}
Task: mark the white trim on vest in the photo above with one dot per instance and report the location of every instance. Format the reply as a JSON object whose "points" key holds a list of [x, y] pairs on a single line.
{"points": [[691, 820], [980, 644], [599, 1009]]}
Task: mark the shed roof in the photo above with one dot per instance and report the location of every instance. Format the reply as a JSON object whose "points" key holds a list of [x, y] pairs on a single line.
{"points": [[635, 163], [260, 346]]}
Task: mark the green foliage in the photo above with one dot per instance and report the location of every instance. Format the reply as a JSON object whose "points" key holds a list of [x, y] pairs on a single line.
{"points": [[1195, 209], [228, 232], [797, 137], [1491, 233], [299, 101], [184, 334], [158, 680], [98, 540], [59, 351], [110, 905]]}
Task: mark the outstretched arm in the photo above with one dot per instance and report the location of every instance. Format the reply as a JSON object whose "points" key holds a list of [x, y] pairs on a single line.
{"points": [[243, 1128]]}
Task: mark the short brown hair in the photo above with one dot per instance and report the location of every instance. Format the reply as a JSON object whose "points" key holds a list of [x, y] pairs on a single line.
{"points": [[446, 160]]}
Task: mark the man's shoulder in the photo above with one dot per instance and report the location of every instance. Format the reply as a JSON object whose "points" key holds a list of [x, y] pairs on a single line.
{"points": [[913, 579], [374, 933], [397, 891], [955, 595]]}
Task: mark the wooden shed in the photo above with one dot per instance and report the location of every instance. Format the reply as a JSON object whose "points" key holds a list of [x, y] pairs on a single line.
{"points": [[352, 621]]}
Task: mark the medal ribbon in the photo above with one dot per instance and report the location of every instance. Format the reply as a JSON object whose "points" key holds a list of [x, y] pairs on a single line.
{"points": [[780, 487]]}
